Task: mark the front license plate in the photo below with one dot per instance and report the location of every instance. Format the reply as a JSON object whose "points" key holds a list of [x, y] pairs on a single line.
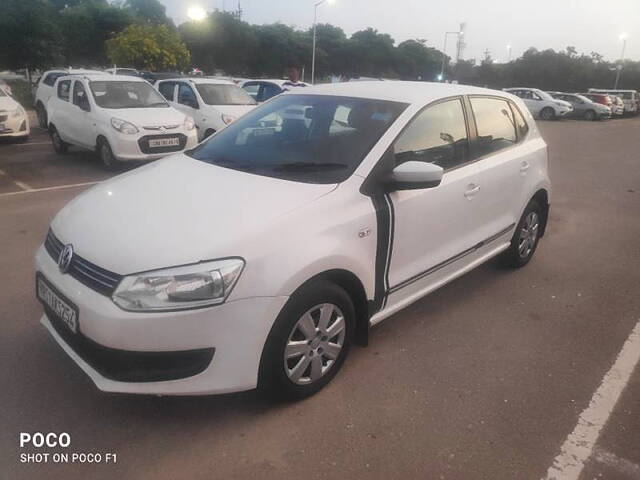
{"points": [[62, 308], [164, 142]]}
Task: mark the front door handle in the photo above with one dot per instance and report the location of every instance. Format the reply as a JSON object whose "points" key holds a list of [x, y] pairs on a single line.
{"points": [[524, 166], [472, 190]]}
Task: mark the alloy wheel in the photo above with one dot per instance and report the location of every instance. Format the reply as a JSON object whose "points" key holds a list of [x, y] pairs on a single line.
{"points": [[528, 235], [314, 344]]}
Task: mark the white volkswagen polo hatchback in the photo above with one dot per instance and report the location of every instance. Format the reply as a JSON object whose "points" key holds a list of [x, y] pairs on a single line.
{"points": [[120, 117], [257, 258]]}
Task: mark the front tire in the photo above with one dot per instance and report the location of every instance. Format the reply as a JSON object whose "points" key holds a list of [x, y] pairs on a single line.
{"points": [[107, 158], [590, 115], [60, 146], [308, 342], [525, 238], [547, 113]]}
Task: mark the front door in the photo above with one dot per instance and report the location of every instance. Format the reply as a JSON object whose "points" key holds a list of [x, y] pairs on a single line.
{"points": [[433, 228]]}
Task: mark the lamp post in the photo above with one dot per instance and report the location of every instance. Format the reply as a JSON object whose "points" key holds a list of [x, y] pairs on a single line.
{"points": [[623, 37], [509, 49], [313, 55], [444, 52]]}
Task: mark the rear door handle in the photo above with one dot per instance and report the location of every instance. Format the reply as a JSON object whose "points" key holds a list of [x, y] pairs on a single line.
{"points": [[524, 166], [472, 190]]}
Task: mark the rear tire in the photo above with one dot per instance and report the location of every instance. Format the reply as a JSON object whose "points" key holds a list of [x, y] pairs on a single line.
{"points": [[60, 146], [547, 113], [107, 158], [308, 342], [525, 238], [590, 115], [42, 116]]}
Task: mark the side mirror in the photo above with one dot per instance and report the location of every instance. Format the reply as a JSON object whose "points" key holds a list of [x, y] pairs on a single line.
{"points": [[414, 175]]}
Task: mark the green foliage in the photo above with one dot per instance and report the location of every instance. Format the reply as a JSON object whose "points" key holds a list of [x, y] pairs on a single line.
{"points": [[148, 47], [21, 91], [29, 34], [148, 11]]}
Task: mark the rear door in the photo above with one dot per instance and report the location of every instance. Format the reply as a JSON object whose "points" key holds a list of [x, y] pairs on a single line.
{"points": [[503, 165]]}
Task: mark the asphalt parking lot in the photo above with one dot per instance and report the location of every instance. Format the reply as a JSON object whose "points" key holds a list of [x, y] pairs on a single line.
{"points": [[484, 379]]}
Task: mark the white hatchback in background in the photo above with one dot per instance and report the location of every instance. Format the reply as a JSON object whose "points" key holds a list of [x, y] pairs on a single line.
{"points": [[14, 121], [257, 258], [120, 117], [262, 90], [541, 104], [45, 89], [212, 103]]}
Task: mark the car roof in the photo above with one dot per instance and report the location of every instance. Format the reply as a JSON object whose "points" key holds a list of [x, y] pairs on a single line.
{"points": [[194, 80], [396, 91], [104, 77], [278, 81]]}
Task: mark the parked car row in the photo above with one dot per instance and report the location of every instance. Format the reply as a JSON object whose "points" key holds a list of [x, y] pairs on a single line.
{"points": [[597, 104], [14, 122]]}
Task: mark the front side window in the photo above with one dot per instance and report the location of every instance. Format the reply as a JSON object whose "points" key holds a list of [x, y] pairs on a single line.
{"points": [[122, 94], [252, 89], [221, 94], [269, 90], [305, 138], [437, 135], [521, 124], [63, 90], [167, 90], [79, 94], [495, 123]]}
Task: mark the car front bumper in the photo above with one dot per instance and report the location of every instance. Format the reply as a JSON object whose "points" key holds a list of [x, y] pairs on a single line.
{"points": [[15, 127], [183, 342], [128, 148]]}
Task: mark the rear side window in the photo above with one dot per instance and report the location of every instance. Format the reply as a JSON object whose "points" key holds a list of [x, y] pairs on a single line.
{"points": [[51, 78], [269, 90], [63, 90], [79, 93], [436, 135], [495, 123], [522, 127], [167, 90]]}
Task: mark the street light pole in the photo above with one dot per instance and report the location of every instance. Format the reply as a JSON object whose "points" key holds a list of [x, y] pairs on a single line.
{"points": [[313, 55], [509, 48], [444, 53], [623, 37]]}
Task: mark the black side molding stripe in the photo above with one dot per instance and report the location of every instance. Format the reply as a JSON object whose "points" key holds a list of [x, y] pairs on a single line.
{"points": [[384, 240], [451, 260]]}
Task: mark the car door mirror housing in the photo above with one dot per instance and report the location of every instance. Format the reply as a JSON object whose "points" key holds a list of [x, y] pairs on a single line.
{"points": [[414, 175]]}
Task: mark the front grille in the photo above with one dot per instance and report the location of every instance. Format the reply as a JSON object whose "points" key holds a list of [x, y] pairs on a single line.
{"points": [[129, 366], [98, 279], [143, 143]]}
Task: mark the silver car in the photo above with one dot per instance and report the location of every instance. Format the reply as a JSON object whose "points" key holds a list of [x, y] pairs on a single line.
{"points": [[583, 107]]}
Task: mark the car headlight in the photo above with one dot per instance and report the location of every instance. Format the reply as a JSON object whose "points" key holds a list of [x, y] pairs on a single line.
{"points": [[18, 112], [179, 288], [123, 126], [189, 123], [227, 119]]}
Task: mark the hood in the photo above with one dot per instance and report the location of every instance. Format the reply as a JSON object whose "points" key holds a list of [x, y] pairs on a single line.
{"points": [[8, 103], [233, 110], [177, 211], [148, 117]]}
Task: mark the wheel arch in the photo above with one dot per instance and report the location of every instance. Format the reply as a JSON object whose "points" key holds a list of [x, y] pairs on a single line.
{"points": [[542, 197]]}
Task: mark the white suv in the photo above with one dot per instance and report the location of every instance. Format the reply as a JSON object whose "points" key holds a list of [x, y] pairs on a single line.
{"points": [[212, 103], [45, 89], [258, 258], [541, 104], [120, 117]]}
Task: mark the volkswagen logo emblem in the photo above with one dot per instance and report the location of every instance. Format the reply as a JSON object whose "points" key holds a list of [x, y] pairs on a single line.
{"points": [[64, 259], [162, 129]]}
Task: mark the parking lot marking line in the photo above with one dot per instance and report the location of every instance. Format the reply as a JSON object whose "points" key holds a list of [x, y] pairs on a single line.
{"points": [[46, 189], [580, 443], [621, 465], [22, 185]]}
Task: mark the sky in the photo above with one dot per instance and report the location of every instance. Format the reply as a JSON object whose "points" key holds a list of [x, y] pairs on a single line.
{"points": [[588, 25]]}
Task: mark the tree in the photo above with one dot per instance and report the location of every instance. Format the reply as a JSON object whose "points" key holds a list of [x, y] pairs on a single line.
{"points": [[331, 50], [149, 47], [416, 61], [372, 54], [92, 24], [149, 11], [29, 34]]}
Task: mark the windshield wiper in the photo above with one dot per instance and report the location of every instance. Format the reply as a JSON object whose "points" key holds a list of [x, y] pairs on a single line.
{"points": [[309, 166]]}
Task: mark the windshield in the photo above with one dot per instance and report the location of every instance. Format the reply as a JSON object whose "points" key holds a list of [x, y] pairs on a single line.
{"points": [[122, 94], [584, 99], [306, 138], [543, 95], [221, 94]]}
